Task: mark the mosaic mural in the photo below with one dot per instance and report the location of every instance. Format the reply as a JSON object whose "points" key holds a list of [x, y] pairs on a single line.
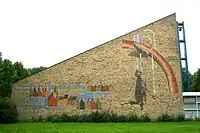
{"points": [[141, 69], [66, 95], [142, 50]]}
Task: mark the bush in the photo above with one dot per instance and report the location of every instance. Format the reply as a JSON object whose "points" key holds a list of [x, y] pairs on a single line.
{"points": [[98, 117], [145, 118], [57, 118], [197, 119], [113, 117], [34, 119], [8, 111], [189, 119], [102, 117], [179, 118], [123, 118], [165, 118], [39, 119], [87, 118], [171, 118], [49, 118], [133, 118]]}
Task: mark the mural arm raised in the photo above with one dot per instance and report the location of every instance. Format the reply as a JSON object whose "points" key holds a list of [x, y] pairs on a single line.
{"points": [[159, 59]]}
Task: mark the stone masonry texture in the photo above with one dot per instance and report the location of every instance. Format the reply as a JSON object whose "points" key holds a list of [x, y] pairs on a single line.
{"points": [[108, 78]]}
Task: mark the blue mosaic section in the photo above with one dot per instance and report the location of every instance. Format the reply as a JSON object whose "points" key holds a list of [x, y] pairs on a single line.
{"points": [[23, 87], [37, 102], [42, 96]]}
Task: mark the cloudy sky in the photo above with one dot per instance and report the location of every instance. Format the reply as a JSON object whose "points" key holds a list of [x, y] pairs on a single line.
{"points": [[45, 32]]}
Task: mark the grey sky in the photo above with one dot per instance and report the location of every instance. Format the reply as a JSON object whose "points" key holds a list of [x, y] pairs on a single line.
{"points": [[45, 32]]}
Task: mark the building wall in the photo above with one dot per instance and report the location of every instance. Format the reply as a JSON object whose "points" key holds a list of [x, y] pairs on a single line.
{"points": [[109, 78], [191, 104]]}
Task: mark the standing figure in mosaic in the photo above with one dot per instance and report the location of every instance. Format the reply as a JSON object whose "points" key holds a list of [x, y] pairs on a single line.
{"points": [[140, 90]]}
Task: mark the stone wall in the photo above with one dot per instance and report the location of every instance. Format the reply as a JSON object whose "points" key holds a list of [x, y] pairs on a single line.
{"points": [[109, 78]]}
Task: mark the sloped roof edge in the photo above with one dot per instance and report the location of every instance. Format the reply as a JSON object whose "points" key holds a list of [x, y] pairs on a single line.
{"points": [[98, 46]]}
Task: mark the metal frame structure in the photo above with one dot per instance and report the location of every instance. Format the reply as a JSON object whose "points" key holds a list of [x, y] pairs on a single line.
{"points": [[185, 76]]}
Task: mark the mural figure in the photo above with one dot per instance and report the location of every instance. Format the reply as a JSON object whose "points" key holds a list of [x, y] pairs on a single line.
{"points": [[93, 104], [38, 92], [52, 98], [42, 92], [33, 92], [173, 86], [140, 87], [82, 104], [63, 100], [140, 90], [146, 50]]}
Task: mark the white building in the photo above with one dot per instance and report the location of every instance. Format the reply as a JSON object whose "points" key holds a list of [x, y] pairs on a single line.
{"points": [[191, 104]]}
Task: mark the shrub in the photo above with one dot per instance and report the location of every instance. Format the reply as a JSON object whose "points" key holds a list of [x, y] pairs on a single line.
{"points": [[122, 118], [42, 119], [133, 118], [65, 117], [8, 111], [189, 119], [87, 118], [196, 119], [73, 118], [98, 117], [171, 118], [49, 118], [113, 117], [145, 118], [165, 118], [57, 118], [179, 118], [34, 119]]}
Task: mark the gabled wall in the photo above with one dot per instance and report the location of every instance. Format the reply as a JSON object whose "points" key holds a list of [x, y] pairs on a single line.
{"points": [[108, 78]]}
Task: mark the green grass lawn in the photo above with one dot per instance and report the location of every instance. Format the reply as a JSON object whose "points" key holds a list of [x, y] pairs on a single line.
{"points": [[182, 127]]}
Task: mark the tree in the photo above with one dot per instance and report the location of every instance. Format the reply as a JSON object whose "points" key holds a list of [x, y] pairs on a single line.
{"points": [[195, 85], [20, 71], [10, 73], [0, 56], [35, 70], [7, 77]]}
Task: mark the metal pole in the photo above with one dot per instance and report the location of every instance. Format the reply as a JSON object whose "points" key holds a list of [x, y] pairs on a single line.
{"points": [[179, 50], [186, 61]]}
